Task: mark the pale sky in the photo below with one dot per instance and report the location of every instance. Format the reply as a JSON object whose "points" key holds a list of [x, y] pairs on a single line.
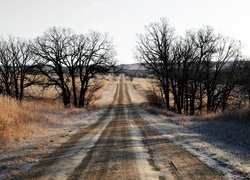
{"points": [[122, 19]]}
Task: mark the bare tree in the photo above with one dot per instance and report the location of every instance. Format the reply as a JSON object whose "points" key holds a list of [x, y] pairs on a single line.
{"points": [[243, 81], [194, 68], [64, 56], [201, 59], [204, 41], [52, 49], [98, 57], [17, 66], [77, 51], [225, 50], [153, 50], [5, 68], [181, 72], [90, 54]]}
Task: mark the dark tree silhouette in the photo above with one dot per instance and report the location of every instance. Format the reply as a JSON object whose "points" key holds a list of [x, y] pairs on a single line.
{"points": [[97, 57], [63, 56], [52, 50], [153, 51], [194, 69], [17, 66]]}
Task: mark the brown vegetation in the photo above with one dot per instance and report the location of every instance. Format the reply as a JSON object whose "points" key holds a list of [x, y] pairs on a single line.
{"points": [[32, 117], [18, 123]]}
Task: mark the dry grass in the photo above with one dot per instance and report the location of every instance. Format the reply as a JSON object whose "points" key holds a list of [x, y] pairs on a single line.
{"points": [[155, 110], [237, 115], [231, 126], [142, 84], [72, 112], [40, 100], [19, 123], [35, 115], [106, 93]]}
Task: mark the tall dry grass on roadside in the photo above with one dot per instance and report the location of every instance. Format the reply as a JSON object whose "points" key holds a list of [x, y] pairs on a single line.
{"points": [[18, 123], [236, 115], [38, 111]]}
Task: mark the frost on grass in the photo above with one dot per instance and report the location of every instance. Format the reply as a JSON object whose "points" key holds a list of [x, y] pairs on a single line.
{"points": [[232, 160]]}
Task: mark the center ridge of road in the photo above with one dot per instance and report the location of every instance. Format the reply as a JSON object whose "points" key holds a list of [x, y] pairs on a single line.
{"points": [[120, 145]]}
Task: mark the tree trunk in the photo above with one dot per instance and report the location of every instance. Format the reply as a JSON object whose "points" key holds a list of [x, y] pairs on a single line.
{"points": [[166, 92], [82, 97], [249, 98], [66, 98], [74, 88], [192, 99], [176, 97], [201, 99]]}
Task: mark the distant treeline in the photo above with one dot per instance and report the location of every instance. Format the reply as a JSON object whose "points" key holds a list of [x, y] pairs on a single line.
{"points": [[199, 72]]}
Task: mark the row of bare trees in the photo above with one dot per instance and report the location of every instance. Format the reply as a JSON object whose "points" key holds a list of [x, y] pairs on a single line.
{"points": [[16, 63], [199, 71], [60, 58]]}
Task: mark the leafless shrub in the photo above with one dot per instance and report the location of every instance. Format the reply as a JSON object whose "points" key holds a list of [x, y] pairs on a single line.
{"points": [[154, 99]]}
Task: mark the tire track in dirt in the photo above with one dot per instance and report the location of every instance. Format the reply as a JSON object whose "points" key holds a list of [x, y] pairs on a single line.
{"points": [[112, 157]]}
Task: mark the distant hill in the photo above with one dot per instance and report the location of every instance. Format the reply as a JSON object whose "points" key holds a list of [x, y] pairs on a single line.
{"points": [[134, 70]]}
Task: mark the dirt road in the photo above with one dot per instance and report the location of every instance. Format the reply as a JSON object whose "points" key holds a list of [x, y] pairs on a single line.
{"points": [[120, 145]]}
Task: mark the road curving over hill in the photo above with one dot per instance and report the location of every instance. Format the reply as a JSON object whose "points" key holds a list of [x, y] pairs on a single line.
{"points": [[120, 145]]}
